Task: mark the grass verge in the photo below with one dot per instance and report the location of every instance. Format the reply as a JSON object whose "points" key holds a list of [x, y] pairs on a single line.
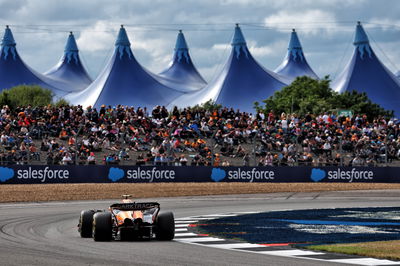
{"points": [[379, 249]]}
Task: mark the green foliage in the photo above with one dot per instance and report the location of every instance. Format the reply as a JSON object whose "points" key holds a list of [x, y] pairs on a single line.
{"points": [[61, 102], [307, 95], [24, 95], [210, 105]]}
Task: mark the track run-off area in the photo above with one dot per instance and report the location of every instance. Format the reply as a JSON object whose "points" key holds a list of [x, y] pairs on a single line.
{"points": [[46, 233]]}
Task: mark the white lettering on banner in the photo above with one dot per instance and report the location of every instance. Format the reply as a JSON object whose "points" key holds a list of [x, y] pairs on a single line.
{"points": [[150, 175], [351, 175], [251, 174], [42, 174]]}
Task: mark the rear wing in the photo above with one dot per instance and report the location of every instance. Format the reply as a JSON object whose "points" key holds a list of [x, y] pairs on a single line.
{"points": [[135, 206]]}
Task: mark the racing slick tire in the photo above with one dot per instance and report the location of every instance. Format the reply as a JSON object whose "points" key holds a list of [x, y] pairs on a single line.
{"points": [[102, 226], [85, 223], [165, 226]]}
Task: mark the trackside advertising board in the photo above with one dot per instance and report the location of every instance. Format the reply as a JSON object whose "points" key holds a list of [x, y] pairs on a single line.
{"points": [[34, 174]]}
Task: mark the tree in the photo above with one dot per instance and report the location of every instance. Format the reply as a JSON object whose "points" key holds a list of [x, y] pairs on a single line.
{"points": [[24, 95], [307, 95]]}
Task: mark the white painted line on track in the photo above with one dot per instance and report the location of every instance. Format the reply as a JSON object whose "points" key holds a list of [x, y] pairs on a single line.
{"points": [[181, 225], [235, 245], [219, 215], [246, 212], [186, 222], [185, 234], [291, 252], [199, 239], [366, 261], [194, 218]]}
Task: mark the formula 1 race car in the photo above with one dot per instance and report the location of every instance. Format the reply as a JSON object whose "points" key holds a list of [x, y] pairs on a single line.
{"points": [[127, 221]]}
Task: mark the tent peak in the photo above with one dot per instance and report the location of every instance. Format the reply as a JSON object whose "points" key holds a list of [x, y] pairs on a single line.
{"points": [[295, 50], [122, 44], [361, 37], [8, 45], [71, 44], [294, 42], [238, 38], [181, 48], [122, 39], [238, 42], [71, 49], [181, 42], [361, 41]]}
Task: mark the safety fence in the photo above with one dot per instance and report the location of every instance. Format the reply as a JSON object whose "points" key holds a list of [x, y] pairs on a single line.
{"points": [[39, 174]]}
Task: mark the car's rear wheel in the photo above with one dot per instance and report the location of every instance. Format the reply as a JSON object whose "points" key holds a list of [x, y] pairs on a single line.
{"points": [[102, 226], [85, 223], [165, 226]]}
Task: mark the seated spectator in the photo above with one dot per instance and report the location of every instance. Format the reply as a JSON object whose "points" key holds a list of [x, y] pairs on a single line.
{"points": [[183, 160], [67, 160], [140, 160], [91, 159], [35, 155]]}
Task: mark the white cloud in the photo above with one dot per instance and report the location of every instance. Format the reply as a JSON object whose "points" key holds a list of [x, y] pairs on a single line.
{"points": [[261, 51], [385, 23], [96, 38], [310, 21]]}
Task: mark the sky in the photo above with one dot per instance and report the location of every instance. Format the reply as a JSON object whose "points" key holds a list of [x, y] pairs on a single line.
{"points": [[325, 28]]}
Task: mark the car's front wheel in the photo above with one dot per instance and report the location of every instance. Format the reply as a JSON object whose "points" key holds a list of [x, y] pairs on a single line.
{"points": [[102, 226]]}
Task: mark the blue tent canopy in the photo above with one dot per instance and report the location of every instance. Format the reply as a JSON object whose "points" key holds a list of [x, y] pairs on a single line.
{"points": [[14, 72], [70, 68], [295, 63], [124, 81], [182, 74], [365, 73], [241, 82]]}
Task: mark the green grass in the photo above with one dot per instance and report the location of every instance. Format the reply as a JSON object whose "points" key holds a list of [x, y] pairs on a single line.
{"points": [[379, 249]]}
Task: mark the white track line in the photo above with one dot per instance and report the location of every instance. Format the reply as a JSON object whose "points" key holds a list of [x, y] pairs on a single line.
{"points": [[290, 253], [366, 261], [200, 239], [185, 234], [235, 245], [181, 225]]}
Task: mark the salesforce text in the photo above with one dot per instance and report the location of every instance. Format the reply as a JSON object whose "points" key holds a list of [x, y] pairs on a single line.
{"points": [[351, 175], [251, 174], [150, 174], [42, 174]]}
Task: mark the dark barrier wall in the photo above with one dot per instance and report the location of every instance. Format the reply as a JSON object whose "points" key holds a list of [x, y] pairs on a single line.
{"points": [[33, 174]]}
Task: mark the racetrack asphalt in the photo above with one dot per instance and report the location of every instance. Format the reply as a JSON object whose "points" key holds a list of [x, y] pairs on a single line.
{"points": [[46, 233]]}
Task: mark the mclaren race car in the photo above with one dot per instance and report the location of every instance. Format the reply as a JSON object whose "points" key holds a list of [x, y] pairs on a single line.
{"points": [[128, 220]]}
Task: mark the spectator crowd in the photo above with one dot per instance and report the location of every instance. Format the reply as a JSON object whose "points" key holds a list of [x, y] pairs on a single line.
{"points": [[69, 135]]}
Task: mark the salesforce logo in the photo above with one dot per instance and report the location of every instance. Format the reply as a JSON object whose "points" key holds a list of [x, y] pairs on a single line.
{"points": [[142, 175], [6, 174], [342, 175], [243, 175], [317, 174], [218, 174], [115, 174]]}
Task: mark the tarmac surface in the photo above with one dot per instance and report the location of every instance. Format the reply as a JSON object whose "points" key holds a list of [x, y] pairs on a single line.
{"points": [[46, 233]]}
